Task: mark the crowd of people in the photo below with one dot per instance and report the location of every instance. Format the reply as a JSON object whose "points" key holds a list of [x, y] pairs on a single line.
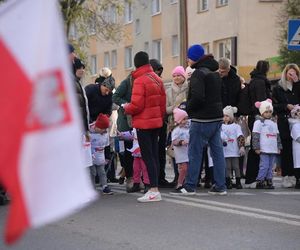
{"points": [[214, 127]]}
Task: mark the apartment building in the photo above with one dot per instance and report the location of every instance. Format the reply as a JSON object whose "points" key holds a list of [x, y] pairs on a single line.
{"points": [[244, 31]]}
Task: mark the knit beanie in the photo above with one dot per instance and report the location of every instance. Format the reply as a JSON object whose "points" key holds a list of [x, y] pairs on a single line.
{"points": [[295, 112], [179, 70], [102, 121], [264, 106], [109, 83], [230, 111], [71, 48], [141, 58], [179, 115], [195, 52], [156, 65]]}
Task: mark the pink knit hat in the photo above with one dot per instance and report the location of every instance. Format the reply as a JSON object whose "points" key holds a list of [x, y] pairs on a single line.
{"points": [[179, 70], [179, 115]]}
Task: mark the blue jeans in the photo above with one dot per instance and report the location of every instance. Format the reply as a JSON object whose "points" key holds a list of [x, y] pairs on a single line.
{"points": [[202, 134], [266, 166]]}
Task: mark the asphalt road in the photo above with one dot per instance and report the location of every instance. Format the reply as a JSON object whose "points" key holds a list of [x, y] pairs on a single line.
{"points": [[244, 219]]}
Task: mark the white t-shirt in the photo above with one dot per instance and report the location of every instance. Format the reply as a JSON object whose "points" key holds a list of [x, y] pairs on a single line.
{"points": [[181, 152], [98, 143], [268, 131], [295, 133], [229, 134]]}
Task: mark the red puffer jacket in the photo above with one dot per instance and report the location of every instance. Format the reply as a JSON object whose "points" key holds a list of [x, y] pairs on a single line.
{"points": [[148, 99]]}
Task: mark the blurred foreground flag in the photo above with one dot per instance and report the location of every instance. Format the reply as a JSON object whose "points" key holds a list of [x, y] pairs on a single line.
{"points": [[41, 161]]}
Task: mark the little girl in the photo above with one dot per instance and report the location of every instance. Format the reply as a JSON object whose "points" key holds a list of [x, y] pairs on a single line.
{"points": [[266, 142], [99, 140], [180, 140], [295, 134], [139, 167], [233, 146]]}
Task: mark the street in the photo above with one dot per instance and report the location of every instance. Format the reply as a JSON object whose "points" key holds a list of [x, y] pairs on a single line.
{"points": [[244, 219]]}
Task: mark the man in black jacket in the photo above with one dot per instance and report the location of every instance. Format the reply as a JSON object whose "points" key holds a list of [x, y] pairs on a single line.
{"points": [[204, 107], [231, 83]]}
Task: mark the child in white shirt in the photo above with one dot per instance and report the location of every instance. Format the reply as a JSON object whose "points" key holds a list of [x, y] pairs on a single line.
{"points": [[99, 140], [233, 146], [295, 134], [180, 141], [266, 142]]}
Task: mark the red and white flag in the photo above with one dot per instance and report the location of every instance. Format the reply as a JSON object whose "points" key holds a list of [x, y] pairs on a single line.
{"points": [[41, 157]]}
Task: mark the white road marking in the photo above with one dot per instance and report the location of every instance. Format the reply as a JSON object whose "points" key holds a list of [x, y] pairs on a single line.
{"points": [[283, 193]]}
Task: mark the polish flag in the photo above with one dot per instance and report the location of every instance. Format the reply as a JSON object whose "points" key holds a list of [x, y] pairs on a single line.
{"points": [[41, 157]]}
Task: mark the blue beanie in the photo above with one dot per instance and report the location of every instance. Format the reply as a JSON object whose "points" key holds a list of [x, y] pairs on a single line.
{"points": [[195, 52]]}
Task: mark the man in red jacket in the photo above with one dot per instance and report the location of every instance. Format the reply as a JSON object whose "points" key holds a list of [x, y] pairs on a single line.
{"points": [[147, 107]]}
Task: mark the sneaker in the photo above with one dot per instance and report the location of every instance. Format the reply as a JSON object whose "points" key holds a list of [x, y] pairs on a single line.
{"points": [[251, 185], [260, 184], [113, 180], [163, 183], [150, 197], [286, 182], [121, 180], [215, 191], [107, 190], [292, 179], [183, 191]]}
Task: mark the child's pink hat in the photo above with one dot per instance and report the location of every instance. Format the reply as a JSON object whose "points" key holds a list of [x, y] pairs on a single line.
{"points": [[179, 115], [179, 70]]}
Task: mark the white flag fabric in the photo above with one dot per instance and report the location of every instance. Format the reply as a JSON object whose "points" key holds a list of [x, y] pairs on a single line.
{"points": [[41, 157]]}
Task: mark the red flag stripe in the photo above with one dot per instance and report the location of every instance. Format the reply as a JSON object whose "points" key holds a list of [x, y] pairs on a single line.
{"points": [[16, 92]]}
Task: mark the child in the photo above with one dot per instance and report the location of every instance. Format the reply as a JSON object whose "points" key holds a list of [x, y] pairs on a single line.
{"points": [[139, 167], [180, 140], [233, 142], [266, 142], [99, 140], [295, 134]]}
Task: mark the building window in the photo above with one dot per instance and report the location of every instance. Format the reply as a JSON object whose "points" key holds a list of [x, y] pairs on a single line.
{"points": [[73, 32], [206, 47], [175, 45], [202, 5], [137, 26], [128, 12], [222, 3], [228, 48], [146, 47], [113, 14], [155, 7], [106, 60], [92, 26], [114, 59], [128, 58], [156, 50], [94, 67]]}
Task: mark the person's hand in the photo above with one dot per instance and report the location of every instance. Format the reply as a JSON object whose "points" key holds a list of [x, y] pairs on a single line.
{"points": [[294, 76], [242, 151], [257, 151], [123, 105], [290, 107]]}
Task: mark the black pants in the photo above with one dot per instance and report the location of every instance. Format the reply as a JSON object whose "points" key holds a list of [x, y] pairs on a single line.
{"points": [[148, 141], [287, 163], [126, 160], [253, 158], [162, 138]]}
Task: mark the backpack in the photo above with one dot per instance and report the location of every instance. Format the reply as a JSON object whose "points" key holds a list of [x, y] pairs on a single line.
{"points": [[244, 101]]}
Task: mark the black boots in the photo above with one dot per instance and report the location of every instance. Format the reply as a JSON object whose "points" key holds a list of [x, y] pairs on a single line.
{"points": [[238, 184], [297, 186], [228, 183], [260, 184], [135, 188]]}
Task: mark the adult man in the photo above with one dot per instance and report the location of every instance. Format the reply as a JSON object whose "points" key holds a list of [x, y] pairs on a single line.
{"points": [[204, 107], [147, 107], [231, 83]]}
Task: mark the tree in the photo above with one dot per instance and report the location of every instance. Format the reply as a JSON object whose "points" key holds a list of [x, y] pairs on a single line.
{"points": [[290, 10]]}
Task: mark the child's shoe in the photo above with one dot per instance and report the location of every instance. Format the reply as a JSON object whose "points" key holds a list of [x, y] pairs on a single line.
{"points": [[260, 184], [269, 185], [150, 197], [238, 184], [107, 190], [228, 183], [286, 183], [134, 188]]}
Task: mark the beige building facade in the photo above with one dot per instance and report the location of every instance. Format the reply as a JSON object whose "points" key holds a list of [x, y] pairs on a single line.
{"points": [[244, 31]]}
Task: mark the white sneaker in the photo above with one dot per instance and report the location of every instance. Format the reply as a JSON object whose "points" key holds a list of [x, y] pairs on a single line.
{"points": [[150, 196], [286, 182], [251, 185], [292, 179]]}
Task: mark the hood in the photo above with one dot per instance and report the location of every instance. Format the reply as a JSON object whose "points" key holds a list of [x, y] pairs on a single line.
{"points": [[155, 64], [207, 61], [256, 74]]}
